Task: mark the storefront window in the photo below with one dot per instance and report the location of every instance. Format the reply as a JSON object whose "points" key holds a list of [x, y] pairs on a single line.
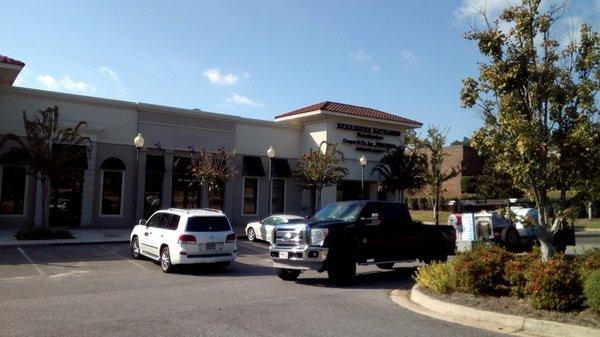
{"points": [[112, 188], [278, 202], [217, 197], [250, 195], [185, 194], [12, 193], [152, 192]]}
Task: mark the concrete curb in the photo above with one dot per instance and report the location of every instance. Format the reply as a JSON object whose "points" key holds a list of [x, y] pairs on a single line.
{"points": [[55, 244], [456, 312]]}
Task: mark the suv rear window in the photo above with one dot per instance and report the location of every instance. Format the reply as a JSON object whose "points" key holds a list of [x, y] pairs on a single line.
{"points": [[208, 224]]}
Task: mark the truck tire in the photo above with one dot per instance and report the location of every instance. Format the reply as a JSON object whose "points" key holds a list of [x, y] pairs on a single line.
{"points": [[287, 274], [510, 239], [341, 270], [386, 265]]}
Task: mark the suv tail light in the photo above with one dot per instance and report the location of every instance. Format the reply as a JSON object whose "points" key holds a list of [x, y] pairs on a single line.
{"points": [[186, 238], [230, 238]]}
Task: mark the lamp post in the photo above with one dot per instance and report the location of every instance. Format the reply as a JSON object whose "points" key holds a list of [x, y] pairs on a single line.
{"points": [[271, 155], [363, 162], [138, 141]]}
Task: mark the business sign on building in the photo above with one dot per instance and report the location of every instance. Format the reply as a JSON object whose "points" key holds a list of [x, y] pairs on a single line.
{"points": [[368, 139]]}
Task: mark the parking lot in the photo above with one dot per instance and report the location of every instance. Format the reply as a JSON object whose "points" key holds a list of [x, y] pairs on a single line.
{"points": [[97, 290]]}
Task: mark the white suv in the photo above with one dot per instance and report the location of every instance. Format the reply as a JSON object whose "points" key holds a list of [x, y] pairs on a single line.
{"points": [[180, 236]]}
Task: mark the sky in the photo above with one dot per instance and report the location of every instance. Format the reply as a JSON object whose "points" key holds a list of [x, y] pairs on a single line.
{"points": [[259, 59]]}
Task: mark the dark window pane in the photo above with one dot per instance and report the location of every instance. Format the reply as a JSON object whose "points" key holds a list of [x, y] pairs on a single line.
{"points": [[152, 192], [216, 199], [13, 190], [278, 196], [208, 224], [184, 194], [250, 194], [155, 220], [112, 184]]}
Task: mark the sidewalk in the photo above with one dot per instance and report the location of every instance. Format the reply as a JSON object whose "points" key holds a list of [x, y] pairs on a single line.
{"points": [[82, 237]]}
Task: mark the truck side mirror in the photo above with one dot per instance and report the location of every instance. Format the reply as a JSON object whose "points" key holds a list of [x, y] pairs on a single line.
{"points": [[142, 222], [373, 220]]}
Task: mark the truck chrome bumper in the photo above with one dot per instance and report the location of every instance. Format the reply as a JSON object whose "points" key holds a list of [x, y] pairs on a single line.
{"points": [[306, 258]]}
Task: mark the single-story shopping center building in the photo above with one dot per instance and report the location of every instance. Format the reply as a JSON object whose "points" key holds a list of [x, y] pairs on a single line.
{"points": [[113, 184]]}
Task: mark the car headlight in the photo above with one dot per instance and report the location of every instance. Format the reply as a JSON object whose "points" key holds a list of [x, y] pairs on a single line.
{"points": [[317, 236]]}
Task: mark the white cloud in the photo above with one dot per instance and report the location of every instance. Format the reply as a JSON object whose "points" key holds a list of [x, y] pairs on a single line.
{"points": [[408, 55], [66, 83], [109, 73], [362, 57], [48, 82], [214, 76], [242, 100]]}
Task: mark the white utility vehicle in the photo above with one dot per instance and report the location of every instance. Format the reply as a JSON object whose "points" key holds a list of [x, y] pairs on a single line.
{"points": [[184, 236], [263, 230]]}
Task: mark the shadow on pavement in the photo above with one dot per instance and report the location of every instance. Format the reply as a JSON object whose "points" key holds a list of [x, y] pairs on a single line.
{"points": [[399, 278], [236, 269]]}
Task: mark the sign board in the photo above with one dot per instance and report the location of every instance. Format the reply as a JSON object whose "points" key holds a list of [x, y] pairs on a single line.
{"points": [[368, 139]]}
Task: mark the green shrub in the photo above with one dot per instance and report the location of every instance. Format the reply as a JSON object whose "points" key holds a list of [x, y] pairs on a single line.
{"points": [[554, 284], [436, 276], [591, 290], [589, 262], [39, 233], [515, 272], [481, 270]]}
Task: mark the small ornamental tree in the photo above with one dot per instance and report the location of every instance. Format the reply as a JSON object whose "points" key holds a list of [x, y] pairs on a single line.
{"points": [[210, 170], [318, 169], [538, 102], [36, 149], [402, 171], [433, 145]]}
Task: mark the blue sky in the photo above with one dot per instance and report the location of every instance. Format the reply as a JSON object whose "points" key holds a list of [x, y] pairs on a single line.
{"points": [[257, 58]]}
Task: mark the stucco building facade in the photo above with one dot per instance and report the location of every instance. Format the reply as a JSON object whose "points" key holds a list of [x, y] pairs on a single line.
{"points": [[114, 185]]}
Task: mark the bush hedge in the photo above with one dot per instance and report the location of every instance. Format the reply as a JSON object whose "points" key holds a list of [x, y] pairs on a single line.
{"points": [[481, 270], [557, 284], [437, 276], [591, 290]]}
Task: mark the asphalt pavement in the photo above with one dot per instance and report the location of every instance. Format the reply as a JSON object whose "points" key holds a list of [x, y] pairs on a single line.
{"points": [[97, 290]]}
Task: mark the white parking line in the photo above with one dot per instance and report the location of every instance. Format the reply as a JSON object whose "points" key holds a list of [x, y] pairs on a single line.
{"points": [[125, 258], [37, 268]]}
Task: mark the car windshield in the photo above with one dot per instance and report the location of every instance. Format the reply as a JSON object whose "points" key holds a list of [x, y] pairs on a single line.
{"points": [[347, 211]]}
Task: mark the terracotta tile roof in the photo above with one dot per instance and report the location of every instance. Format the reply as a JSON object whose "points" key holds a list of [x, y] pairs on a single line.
{"points": [[8, 60], [350, 110]]}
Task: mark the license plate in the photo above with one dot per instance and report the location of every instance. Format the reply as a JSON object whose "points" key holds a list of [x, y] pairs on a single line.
{"points": [[283, 255], [210, 246]]}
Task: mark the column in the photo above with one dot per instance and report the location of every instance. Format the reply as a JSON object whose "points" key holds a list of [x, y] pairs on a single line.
{"points": [[87, 197], [167, 187]]}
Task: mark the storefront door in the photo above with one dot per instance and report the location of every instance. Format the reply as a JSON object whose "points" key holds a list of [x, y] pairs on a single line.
{"points": [[65, 198]]}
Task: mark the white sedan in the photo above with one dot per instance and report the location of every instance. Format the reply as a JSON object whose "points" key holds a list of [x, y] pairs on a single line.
{"points": [[262, 230]]}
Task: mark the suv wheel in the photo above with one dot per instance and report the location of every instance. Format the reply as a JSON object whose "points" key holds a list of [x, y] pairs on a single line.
{"points": [[251, 234], [287, 274], [341, 270], [135, 248], [165, 260]]}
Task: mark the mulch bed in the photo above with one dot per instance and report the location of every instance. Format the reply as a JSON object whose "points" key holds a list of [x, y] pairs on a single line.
{"points": [[520, 307]]}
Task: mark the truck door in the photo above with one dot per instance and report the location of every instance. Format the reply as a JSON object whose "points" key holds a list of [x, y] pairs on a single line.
{"points": [[371, 235], [403, 238]]}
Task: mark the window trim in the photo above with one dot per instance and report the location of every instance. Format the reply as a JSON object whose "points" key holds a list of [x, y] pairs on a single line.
{"points": [[25, 195], [284, 196], [120, 215], [257, 194]]}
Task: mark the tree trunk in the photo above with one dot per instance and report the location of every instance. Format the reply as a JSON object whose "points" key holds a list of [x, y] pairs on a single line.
{"points": [[436, 207], [313, 201], [319, 198], [589, 211], [545, 234]]}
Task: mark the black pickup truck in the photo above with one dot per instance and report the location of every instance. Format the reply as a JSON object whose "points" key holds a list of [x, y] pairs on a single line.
{"points": [[344, 234]]}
